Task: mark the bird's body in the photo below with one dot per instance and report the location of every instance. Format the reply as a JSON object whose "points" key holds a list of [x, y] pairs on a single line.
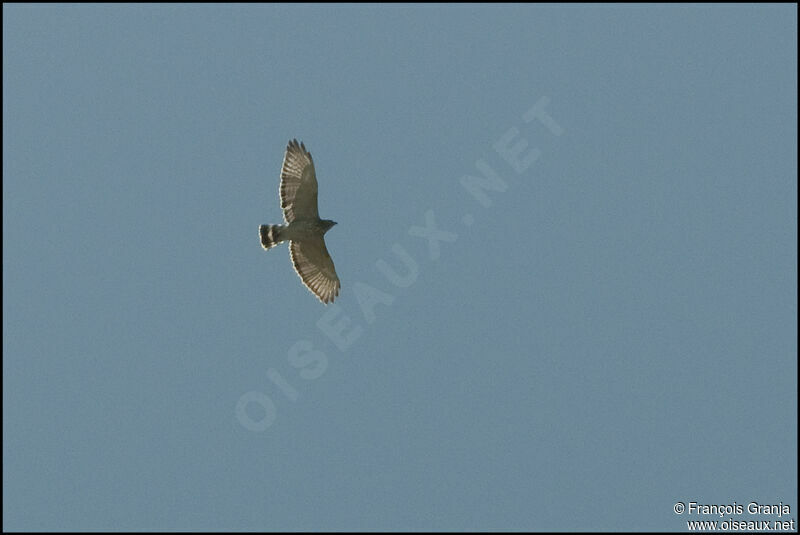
{"points": [[272, 235], [304, 229]]}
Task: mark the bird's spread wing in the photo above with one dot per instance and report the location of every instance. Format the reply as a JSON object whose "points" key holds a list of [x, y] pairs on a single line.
{"points": [[298, 184], [314, 265]]}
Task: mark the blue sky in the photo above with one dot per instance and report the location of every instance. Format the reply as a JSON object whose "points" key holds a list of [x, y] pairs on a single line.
{"points": [[601, 325]]}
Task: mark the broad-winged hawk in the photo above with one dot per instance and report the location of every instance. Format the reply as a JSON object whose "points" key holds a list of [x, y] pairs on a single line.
{"points": [[304, 230]]}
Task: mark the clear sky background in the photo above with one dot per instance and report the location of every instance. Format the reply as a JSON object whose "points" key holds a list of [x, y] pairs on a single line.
{"points": [[613, 333]]}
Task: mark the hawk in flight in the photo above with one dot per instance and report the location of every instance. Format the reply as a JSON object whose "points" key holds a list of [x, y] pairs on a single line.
{"points": [[304, 230]]}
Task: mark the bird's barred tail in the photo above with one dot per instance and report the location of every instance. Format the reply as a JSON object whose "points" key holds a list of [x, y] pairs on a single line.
{"points": [[271, 235]]}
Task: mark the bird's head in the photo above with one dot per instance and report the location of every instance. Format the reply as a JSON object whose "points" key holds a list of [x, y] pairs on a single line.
{"points": [[327, 224]]}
